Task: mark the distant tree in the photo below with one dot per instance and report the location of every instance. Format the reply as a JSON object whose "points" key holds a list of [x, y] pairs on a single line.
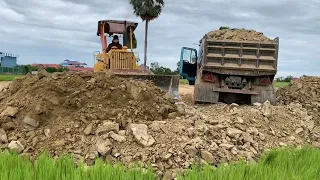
{"points": [[147, 10], [288, 79], [223, 27], [160, 70]]}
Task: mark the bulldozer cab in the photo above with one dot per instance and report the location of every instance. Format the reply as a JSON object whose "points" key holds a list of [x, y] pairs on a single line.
{"points": [[116, 27], [117, 59]]}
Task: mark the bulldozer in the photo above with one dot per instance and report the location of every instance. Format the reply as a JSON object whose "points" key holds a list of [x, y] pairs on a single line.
{"points": [[124, 62]]}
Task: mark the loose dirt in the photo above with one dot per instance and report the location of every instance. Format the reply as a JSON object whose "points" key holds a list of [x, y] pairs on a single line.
{"points": [[238, 35], [98, 115]]}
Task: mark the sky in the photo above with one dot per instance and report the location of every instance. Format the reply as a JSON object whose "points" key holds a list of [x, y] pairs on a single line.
{"points": [[49, 31]]}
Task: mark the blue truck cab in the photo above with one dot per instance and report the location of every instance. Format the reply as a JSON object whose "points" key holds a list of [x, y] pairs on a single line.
{"points": [[189, 61]]}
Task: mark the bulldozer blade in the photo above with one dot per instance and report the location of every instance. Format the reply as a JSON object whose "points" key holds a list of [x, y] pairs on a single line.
{"points": [[169, 84]]}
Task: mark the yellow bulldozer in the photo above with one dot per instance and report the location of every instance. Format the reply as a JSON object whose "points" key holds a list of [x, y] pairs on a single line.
{"points": [[124, 62]]}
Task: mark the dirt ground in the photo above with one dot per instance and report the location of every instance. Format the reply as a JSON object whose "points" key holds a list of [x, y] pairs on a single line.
{"points": [[125, 121]]}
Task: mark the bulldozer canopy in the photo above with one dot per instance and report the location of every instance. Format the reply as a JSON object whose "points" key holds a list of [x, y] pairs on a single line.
{"points": [[116, 26]]}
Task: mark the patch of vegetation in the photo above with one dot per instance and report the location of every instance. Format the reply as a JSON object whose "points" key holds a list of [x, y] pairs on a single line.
{"points": [[279, 164], [280, 84], [13, 166], [286, 163], [9, 77], [183, 81]]}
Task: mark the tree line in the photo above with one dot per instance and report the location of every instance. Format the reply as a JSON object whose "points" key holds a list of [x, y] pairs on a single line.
{"points": [[29, 68], [161, 70]]}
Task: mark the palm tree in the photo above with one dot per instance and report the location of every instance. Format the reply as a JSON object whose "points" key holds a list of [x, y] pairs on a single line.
{"points": [[147, 10]]}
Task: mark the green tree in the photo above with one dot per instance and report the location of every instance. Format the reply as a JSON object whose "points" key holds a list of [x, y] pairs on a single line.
{"points": [[147, 10], [288, 79], [160, 70]]}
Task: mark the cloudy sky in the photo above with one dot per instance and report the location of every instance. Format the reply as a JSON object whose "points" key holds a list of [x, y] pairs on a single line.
{"points": [[49, 31]]}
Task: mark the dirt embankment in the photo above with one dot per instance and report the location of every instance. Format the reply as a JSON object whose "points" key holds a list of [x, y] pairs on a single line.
{"points": [[98, 115]]}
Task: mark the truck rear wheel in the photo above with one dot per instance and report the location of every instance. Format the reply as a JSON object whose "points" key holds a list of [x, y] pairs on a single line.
{"points": [[191, 82]]}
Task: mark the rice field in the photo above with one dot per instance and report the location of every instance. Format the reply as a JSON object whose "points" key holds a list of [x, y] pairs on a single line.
{"points": [[281, 164], [9, 77]]}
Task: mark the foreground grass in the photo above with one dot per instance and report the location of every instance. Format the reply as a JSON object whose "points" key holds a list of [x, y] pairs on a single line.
{"points": [[9, 77], [281, 164]]}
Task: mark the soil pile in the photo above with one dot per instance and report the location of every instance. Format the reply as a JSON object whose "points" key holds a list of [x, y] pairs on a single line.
{"points": [[305, 90], [238, 35], [129, 121]]}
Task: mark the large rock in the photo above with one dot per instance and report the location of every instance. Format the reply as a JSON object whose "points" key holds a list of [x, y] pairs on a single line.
{"points": [[233, 132], [8, 126], [31, 120], [88, 129], [266, 109], [3, 136], [117, 137], [140, 133], [192, 151], [16, 146], [103, 146], [107, 127], [207, 156], [10, 111]]}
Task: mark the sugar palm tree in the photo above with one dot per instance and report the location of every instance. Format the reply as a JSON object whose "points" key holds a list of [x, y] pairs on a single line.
{"points": [[147, 10]]}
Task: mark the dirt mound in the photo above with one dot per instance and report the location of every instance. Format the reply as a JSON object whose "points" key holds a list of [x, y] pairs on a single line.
{"points": [[130, 121], [306, 91], [238, 35], [56, 111]]}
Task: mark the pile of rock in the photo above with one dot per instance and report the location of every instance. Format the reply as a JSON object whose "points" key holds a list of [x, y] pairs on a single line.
{"points": [[238, 35], [304, 91], [79, 114]]}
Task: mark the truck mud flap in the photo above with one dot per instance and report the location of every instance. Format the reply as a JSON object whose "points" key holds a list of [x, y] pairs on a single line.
{"points": [[203, 93], [169, 84]]}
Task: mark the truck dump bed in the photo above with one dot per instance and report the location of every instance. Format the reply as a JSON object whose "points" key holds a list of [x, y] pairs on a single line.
{"points": [[240, 57]]}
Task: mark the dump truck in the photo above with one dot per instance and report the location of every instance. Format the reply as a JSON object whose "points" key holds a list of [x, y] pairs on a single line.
{"points": [[124, 62], [231, 70]]}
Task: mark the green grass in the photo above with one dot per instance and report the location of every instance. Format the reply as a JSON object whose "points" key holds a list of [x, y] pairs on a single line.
{"points": [[9, 77], [282, 164], [183, 81], [280, 84], [14, 167]]}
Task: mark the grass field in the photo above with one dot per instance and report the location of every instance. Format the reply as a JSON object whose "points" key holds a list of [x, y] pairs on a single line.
{"points": [[280, 84], [279, 164], [9, 77]]}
